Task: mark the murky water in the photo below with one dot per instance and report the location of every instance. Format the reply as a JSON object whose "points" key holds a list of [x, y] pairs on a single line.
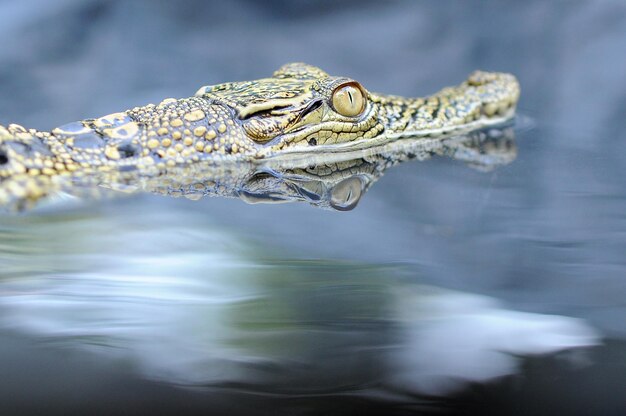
{"points": [[447, 289]]}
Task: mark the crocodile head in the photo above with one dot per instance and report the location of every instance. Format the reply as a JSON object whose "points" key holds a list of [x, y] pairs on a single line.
{"points": [[299, 106]]}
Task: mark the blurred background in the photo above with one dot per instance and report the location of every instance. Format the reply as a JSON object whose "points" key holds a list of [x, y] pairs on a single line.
{"points": [[447, 290]]}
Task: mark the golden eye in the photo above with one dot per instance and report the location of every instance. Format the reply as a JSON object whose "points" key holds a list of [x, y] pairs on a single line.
{"points": [[348, 100]]}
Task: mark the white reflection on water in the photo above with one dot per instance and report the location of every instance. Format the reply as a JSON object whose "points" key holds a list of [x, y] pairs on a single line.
{"points": [[184, 302], [463, 337]]}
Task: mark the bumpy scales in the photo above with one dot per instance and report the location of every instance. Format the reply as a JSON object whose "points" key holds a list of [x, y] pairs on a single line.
{"points": [[299, 109]]}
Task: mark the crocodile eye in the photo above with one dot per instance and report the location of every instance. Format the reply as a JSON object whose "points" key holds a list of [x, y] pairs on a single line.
{"points": [[349, 100]]}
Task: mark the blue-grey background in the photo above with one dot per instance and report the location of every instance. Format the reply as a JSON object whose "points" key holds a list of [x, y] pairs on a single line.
{"points": [[545, 235]]}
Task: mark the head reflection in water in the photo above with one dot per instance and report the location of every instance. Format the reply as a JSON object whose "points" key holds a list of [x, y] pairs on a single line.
{"points": [[200, 307], [336, 181]]}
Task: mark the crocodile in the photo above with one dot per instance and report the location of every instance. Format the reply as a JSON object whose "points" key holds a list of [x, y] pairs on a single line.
{"points": [[299, 110]]}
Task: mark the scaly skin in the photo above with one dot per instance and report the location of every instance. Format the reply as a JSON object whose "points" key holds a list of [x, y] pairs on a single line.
{"points": [[291, 112]]}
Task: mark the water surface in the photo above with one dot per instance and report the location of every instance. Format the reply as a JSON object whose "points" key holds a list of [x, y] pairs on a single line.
{"points": [[447, 289]]}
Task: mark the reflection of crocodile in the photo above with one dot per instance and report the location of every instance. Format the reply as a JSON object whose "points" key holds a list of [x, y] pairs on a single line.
{"points": [[300, 109], [329, 181]]}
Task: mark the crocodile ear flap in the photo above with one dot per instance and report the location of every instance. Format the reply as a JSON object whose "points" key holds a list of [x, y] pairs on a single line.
{"points": [[300, 70]]}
